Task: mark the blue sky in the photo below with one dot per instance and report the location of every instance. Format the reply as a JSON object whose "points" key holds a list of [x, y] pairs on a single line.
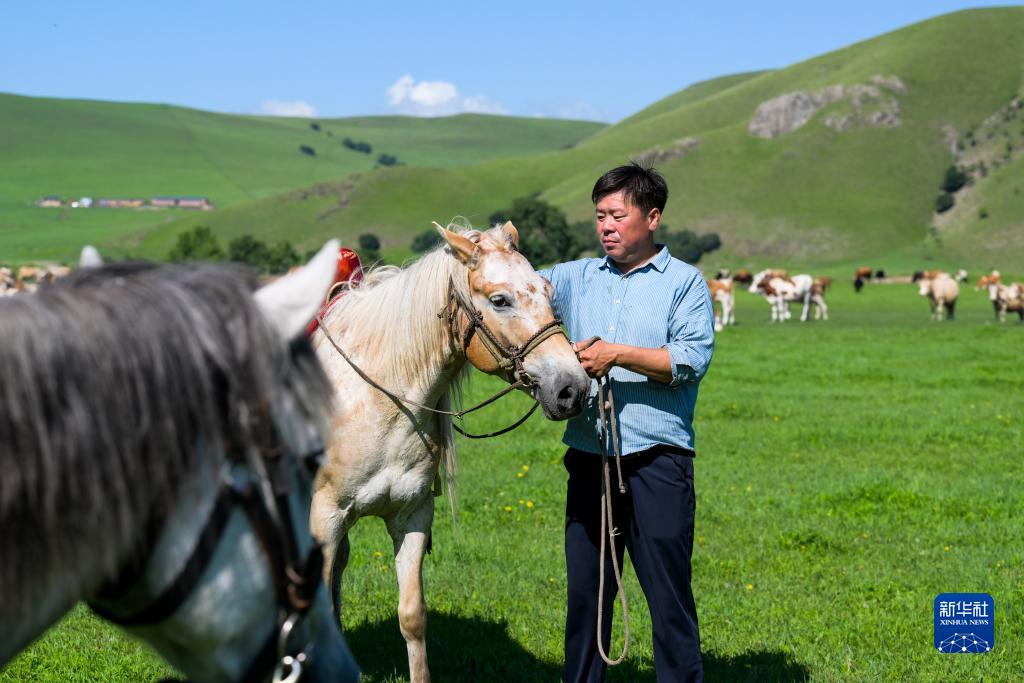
{"points": [[569, 59]]}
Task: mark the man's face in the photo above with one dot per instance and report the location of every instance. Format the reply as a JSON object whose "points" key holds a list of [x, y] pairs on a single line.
{"points": [[625, 231]]}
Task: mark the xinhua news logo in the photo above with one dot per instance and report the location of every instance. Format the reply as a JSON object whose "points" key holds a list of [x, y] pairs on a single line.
{"points": [[965, 623]]}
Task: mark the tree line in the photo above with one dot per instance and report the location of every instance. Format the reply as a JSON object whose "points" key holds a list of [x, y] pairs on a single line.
{"points": [[545, 236]]}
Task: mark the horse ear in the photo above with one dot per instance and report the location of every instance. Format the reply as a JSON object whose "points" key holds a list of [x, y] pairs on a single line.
{"points": [[512, 234], [290, 302], [464, 249], [90, 257]]}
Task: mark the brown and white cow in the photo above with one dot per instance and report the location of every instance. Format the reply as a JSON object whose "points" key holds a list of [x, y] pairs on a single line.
{"points": [[1006, 298], [743, 276], [863, 272], [985, 280], [7, 283], [780, 289], [722, 294], [942, 293]]}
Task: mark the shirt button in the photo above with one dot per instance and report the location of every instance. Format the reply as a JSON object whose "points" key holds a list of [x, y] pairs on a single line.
{"points": [[617, 301], [611, 329]]}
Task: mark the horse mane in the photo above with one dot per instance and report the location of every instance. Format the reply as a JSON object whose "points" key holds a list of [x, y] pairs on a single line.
{"points": [[116, 380], [401, 306]]}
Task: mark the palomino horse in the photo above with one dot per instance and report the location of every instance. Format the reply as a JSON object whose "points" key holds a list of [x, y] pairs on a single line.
{"points": [[159, 427], [412, 330]]}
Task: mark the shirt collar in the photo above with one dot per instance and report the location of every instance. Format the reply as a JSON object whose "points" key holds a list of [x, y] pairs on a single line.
{"points": [[659, 261]]}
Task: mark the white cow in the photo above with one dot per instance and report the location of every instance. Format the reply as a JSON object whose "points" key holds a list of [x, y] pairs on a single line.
{"points": [[942, 292]]}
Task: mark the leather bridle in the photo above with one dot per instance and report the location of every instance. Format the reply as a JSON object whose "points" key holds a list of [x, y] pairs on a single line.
{"points": [[509, 358], [260, 484]]}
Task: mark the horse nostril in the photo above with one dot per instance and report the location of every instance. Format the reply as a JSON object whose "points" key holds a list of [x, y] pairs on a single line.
{"points": [[567, 397]]}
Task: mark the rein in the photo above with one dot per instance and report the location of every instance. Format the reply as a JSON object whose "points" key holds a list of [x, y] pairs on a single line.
{"points": [[610, 433], [509, 358], [262, 493]]}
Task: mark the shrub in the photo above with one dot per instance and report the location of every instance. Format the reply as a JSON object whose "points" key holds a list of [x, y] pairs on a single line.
{"points": [[281, 257], [983, 213], [314, 126], [544, 235], [248, 250], [306, 149], [363, 147], [688, 246], [369, 248], [944, 202], [426, 240], [197, 244], [387, 160], [954, 180]]}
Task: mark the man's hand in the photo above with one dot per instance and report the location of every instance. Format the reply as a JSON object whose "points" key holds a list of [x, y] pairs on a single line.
{"points": [[596, 356]]}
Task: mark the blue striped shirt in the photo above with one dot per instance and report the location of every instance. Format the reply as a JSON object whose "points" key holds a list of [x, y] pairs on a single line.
{"points": [[664, 304]]}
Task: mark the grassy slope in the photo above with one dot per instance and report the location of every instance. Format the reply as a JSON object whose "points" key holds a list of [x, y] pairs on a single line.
{"points": [[85, 148], [847, 474], [811, 196]]}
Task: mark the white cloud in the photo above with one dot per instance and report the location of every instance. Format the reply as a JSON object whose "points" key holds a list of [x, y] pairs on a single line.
{"points": [[481, 104], [436, 98], [399, 92], [581, 110], [282, 108]]}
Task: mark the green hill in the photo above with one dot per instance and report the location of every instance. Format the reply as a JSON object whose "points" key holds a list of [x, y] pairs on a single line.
{"points": [[75, 148], [857, 181]]}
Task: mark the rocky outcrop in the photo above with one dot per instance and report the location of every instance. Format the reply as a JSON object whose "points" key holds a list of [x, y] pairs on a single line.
{"points": [[658, 155], [872, 104]]}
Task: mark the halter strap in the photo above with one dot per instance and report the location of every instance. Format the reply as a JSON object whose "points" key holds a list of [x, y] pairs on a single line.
{"points": [[509, 358]]}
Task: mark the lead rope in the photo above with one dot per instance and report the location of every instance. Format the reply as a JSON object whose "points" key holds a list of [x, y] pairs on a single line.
{"points": [[607, 525]]}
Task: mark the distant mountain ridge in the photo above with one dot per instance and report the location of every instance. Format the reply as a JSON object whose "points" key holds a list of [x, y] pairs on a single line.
{"points": [[834, 159]]}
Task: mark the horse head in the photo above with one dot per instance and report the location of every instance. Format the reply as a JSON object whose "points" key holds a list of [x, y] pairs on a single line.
{"points": [[510, 329], [184, 518]]}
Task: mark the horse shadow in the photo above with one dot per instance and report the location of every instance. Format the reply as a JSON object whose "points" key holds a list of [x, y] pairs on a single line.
{"points": [[473, 649]]}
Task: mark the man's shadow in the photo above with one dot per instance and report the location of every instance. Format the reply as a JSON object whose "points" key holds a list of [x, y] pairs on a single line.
{"points": [[473, 650]]}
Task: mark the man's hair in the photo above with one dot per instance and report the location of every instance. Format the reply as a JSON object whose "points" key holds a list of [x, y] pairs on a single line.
{"points": [[640, 185]]}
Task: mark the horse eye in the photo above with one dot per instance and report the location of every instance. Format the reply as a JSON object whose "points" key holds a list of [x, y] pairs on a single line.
{"points": [[501, 301]]}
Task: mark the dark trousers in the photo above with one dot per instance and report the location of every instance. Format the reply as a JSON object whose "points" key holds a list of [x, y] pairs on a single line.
{"points": [[655, 520]]}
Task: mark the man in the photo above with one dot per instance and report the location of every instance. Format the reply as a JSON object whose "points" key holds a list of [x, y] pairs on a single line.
{"points": [[643, 320]]}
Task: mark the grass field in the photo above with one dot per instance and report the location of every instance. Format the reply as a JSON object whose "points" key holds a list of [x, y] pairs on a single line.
{"points": [[848, 472]]}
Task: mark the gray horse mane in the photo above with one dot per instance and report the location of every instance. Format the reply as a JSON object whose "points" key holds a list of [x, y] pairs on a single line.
{"points": [[113, 383]]}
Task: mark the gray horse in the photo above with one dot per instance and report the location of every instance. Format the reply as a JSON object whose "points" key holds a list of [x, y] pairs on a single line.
{"points": [[159, 430]]}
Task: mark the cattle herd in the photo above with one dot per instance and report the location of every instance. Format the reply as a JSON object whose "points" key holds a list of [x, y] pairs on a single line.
{"points": [[777, 287], [28, 278], [780, 289]]}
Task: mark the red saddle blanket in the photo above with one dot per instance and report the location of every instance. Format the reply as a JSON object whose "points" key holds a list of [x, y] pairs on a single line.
{"points": [[349, 269]]}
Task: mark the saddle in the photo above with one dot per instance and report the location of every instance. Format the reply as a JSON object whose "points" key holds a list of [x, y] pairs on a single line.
{"points": [[349, 271]]}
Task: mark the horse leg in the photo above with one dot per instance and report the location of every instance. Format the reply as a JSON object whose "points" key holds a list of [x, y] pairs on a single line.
{"points": [[328, 526], [410, 535]]}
